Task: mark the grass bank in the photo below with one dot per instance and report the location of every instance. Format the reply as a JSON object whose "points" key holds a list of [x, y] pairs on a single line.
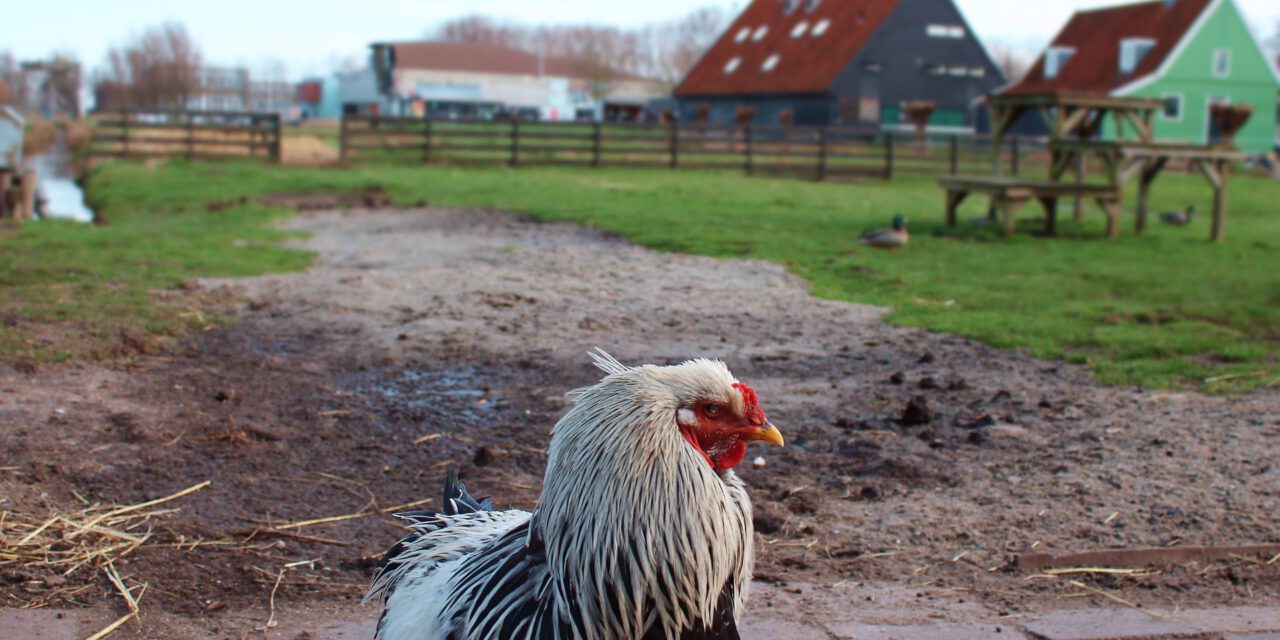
{"points": [[1165, 310]]}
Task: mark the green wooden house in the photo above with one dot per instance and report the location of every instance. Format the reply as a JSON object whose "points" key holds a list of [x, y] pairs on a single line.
{"points": [[1189, 53]]}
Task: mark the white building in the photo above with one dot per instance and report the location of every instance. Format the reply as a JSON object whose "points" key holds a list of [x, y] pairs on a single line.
{"points": [[454, 80]]}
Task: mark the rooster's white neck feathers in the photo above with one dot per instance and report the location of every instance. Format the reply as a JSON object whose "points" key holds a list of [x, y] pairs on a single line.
{"points": [[626, 496]]}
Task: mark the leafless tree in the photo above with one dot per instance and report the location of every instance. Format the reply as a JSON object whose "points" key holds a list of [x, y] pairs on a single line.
{"points": [[13, 85], [663, 51], [1013, 61], [159, 68]]}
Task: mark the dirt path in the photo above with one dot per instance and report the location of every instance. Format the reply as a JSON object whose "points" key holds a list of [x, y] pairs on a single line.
{"points": [[434, 338]]}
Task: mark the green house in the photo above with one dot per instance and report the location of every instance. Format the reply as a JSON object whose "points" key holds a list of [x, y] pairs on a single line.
{"points": [[1189, 53]]}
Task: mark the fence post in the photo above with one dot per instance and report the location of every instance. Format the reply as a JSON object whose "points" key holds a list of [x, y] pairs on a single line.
{"points": [[426, 141], [888, 155], [277, 140], [955, 154], [746, 134], [1015, 163], [675, 144], [595, 145], [191, 136], [515, 141], [342, 138], [124, 127], [822, 153]]}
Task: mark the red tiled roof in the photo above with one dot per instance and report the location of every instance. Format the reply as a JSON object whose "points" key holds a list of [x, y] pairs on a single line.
{"points": [[1096, 37], [478, 58], [806, 64]]}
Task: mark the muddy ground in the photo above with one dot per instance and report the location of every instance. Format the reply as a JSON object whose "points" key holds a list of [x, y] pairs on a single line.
{"points": [[917, 464]]}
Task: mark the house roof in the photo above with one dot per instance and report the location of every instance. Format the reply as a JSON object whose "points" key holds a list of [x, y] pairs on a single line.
{"points": [[808, 63], [1096, 36], [479, 58]]}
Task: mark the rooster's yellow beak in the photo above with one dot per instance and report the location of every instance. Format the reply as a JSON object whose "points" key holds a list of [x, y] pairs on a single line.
{"points": [[768, 433]]}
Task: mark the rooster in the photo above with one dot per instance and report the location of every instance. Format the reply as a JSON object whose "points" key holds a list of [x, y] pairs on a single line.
{"points": [[642, 530]]}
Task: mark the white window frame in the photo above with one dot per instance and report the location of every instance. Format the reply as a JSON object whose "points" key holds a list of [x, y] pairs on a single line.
{"points": [[770, 63], [1052, 64], [732, 65], [1129, 58], [1221, 54], [820, 28], [950, 31], [1182, 107]]}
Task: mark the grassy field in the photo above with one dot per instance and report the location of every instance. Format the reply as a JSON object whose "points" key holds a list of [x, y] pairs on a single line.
{"points": [[1166, 310]]}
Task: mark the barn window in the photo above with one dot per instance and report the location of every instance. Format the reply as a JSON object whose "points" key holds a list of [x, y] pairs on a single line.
{"points": [[1221, 63], [1132, 51], [821, 27], [743, 34], [1055, 59], [799, 29], [1172, 107], [770, 63], [951, 31], [732, 65]]}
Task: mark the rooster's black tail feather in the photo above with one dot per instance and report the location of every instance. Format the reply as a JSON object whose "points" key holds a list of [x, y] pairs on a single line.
{"points": [[457, 500]]}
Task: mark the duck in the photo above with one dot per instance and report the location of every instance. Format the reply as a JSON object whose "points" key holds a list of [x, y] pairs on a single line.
{"points": [[1178, 218], [889, 239]]}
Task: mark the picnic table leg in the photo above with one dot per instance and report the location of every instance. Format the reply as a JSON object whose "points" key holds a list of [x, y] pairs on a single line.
{"points": [[1050, 215], [954, 198], [1008, 214], [1112, 209], [1220, 202]]}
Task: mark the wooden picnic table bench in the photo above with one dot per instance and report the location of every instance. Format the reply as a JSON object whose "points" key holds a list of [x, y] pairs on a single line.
{"points": [[1010, 193]]}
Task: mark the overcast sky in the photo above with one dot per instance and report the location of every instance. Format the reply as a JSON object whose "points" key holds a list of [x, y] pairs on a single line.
{"points": [[308, 36]]}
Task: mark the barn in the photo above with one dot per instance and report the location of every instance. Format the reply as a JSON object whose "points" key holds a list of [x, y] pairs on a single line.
{"points": [[850, 62]]}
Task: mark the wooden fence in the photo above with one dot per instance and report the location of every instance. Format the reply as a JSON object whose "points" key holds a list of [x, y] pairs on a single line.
{"points": [[819, 153], [199, 135]]}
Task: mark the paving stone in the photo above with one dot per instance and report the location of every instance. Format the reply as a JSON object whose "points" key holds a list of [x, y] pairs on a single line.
{"points": [[39, 624], [1130, 624], [932, 632]]}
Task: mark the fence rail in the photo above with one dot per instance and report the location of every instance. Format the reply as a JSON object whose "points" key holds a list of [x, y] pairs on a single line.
{"points": [[200, 135], [821, 153]]}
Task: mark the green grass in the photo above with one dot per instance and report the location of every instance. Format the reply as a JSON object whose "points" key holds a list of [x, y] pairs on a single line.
{"points": [[1166, 310]]}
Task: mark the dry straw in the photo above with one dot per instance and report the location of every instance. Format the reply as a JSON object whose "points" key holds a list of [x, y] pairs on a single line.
{"points": [[55, 547]]}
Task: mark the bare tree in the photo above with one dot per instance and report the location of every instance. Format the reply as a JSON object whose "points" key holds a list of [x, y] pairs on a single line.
{"points": [[159, 68], [663, 51], [1013, 62], [671, 49], [13, 81]]}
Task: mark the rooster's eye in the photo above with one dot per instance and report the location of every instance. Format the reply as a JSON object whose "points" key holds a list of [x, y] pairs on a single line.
{"points": [[712, 410]]}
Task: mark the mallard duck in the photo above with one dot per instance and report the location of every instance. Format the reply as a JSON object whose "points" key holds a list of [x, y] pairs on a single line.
{"points": [[1178, 218], [888, 238]]}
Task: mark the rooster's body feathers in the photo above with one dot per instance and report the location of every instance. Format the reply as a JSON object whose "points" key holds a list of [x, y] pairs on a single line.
{"points": [[635, 536]]}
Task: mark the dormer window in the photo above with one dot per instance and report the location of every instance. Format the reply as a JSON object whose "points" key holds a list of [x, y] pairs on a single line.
{"points": [[811, 5], [770, 63], [760, 33], [789, 6], [743, 34], [732, 65], [1132, 51], [799, 29], [1055, 59], [821, 27]]}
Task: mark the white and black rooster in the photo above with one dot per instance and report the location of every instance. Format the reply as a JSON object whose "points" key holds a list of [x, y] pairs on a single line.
{"points": [[642, 531]]}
